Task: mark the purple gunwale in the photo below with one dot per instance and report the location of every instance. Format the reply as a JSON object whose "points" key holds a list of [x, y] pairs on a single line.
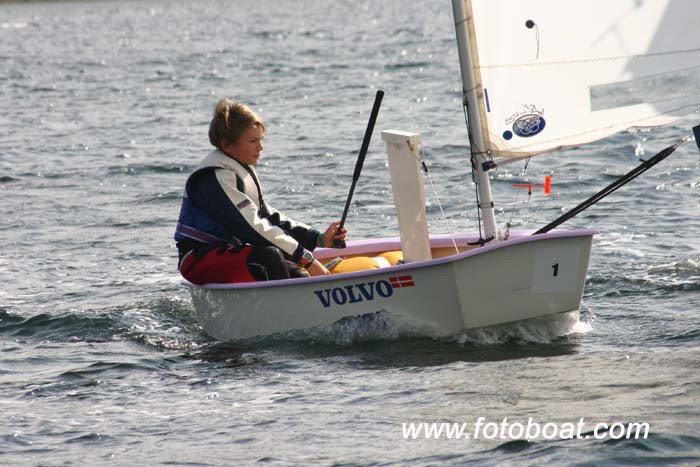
{"points": [[394, 243]]}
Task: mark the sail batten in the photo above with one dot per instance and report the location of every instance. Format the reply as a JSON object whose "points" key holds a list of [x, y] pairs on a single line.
{"points": [[542, 63], [560, 73]]}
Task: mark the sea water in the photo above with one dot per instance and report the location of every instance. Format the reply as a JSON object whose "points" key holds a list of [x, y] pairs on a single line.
{"points": [[104, 111]]}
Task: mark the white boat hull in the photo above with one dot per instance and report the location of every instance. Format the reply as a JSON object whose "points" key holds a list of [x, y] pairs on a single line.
{"points": [[521, 278]]}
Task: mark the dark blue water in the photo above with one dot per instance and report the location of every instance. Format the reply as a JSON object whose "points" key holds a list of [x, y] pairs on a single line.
{"points": [[104, 112]]}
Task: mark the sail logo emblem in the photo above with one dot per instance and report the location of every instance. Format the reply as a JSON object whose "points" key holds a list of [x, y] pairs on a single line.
{"points": [[528, 125], [364, 291], [525, 123]]}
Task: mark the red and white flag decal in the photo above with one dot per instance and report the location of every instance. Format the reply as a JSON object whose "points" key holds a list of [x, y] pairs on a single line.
{"points": [[402, 281]]}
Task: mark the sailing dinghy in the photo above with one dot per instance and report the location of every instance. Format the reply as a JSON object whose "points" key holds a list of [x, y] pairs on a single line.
{"points": [[537, 76]]}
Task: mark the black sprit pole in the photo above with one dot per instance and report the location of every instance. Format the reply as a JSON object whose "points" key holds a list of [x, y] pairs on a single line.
{"points": [[634, 173], [359, 163]]}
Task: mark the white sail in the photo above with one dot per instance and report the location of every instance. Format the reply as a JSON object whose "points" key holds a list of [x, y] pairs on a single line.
{"points": [[562, 72]]}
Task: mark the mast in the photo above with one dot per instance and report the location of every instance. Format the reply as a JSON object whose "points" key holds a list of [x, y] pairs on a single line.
{"points": [[473, 98]]}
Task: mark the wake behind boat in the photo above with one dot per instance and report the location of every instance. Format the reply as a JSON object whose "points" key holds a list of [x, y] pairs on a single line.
{"points": [[536, 76]]}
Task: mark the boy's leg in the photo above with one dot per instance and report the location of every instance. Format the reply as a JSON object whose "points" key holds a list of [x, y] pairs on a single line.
{"points": [[218, 265]]}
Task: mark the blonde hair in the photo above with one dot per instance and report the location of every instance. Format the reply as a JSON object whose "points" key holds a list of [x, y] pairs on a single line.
{"points": [[231, 120]]}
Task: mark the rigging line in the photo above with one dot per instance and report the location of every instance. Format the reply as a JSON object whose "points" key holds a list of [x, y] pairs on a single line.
{"points": [[517, 196], [472, 147], [473, 164], [437, 198], [475, 150]]}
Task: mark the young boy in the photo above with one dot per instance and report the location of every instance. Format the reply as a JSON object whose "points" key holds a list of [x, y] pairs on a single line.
{"points": [[226, 231]]}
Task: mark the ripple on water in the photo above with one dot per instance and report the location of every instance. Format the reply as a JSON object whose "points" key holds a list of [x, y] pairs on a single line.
{"points": [[106, 112]]}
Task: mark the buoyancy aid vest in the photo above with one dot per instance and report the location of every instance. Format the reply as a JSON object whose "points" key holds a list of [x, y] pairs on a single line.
{"points": [[194, 222], [254, 223]]}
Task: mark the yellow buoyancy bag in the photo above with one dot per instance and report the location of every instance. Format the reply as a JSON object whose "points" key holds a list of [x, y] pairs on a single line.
{"points": [[364, 263]]}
